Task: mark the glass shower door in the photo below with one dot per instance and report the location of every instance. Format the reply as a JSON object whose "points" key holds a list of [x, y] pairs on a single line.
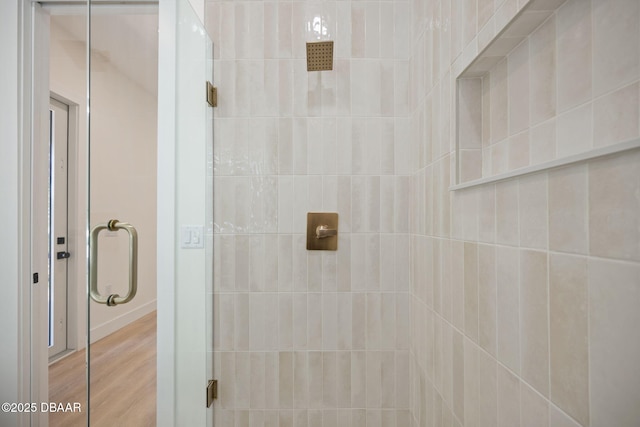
{"points": [[144, 177], [127, 205], [121, 210]]}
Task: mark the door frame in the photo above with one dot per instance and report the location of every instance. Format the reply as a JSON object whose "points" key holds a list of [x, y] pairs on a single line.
{"points": [[75, 299], [58, 189]]}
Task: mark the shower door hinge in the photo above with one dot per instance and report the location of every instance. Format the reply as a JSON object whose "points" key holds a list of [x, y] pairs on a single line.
{"points": [[212, 392], [212, 95]]}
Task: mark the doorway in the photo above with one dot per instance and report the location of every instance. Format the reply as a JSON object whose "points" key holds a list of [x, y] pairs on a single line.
{"points": [[57, 228]]}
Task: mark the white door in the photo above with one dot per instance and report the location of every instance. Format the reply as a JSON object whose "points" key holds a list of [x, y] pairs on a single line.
{"points": [[58, 226]]}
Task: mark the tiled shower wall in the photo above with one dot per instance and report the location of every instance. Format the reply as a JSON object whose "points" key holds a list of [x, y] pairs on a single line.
{"points": [[311, 338], [525, 292], [507, 304]]}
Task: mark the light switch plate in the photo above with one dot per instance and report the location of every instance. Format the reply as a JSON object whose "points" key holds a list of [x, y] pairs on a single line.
{"points": [[192, 236]]}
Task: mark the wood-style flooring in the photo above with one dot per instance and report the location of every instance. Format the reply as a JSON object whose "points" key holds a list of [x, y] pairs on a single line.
{"points": [[123, 380]]}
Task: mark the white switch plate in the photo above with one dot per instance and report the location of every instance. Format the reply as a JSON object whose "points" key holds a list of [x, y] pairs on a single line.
{"points": [[192, 236]]}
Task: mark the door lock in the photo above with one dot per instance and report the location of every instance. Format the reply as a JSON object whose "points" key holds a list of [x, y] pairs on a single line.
{"points": [[63, 255]]}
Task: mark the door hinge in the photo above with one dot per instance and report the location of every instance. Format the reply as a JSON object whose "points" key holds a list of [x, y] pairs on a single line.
{"points": [[212, 95], [212, 392]]}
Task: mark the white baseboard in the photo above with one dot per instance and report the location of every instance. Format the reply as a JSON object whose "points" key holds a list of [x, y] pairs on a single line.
{"points": [[121, 321]]}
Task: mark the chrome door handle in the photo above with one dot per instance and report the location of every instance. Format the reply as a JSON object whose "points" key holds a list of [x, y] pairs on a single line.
{"points": [[113, 299]]}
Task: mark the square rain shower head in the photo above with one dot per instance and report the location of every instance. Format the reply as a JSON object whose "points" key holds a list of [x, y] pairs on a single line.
{"points": [[320, 56]]}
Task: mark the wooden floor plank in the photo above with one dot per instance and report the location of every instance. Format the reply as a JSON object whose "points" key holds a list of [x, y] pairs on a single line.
{"points": [[123, 379]]}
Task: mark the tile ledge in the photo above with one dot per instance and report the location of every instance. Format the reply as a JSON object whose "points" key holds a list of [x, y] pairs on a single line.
{"points": [[552, 164]]}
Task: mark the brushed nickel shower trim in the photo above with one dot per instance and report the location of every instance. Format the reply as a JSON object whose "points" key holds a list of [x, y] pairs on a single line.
{"points": [[322, 231]]}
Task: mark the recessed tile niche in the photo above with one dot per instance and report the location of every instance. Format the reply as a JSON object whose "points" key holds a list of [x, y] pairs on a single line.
{"points": [[533, 98]]}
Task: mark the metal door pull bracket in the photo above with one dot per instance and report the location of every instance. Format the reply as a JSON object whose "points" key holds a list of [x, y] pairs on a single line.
{"points": [[114, 299]]}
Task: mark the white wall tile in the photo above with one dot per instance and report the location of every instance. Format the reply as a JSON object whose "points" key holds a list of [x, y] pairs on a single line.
{"points": [[533, 211], [487, 391], [471, 383], [616, 57], [575, 131], [359, 321], [285, 92], [614, 375], [315, 379], [574, 53], [358, 379], [543, 142], [300, 310], [557, 418], [534, 409], [329, 272], [358, 30], [242, 322], [518, 150], [616, 116], [508, 311], [330, 147], [300, 379], [471, 291], [457, 284], [543, 71], [499, 96], [568, 222], [372, 30], [534, 320], [225, 319], [613, 207], [518, 88], [469, 115], [257, 321], [487, 298], [257, 380], [343, 379], [568, 335], [508, 398], [314, 321], [329, 384], [243, 380], [329, 322], [507, 229]]}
